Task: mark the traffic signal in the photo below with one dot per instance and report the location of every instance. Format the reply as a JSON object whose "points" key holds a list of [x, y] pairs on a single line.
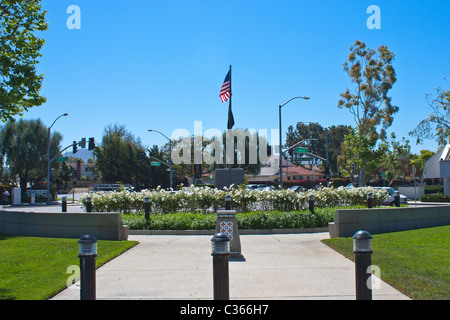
{"points": [[83, 143], [91, 144], [75, 147]]}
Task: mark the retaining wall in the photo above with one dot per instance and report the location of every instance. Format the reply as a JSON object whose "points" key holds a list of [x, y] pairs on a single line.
{"points": [[104, 226], [381, 220]]}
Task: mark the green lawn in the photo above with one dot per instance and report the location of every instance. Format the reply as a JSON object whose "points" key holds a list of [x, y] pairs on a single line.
{"points": [[416, 262], [36, 268]]}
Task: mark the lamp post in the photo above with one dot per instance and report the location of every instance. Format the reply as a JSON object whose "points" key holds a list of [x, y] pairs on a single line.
{"points": [[281, 147], [170, 154], [48, 158], [220, 253], [362, 247], [87, 251]]}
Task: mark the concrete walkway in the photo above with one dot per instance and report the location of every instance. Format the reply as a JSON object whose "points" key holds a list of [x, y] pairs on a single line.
{"points": [[288, 266]]}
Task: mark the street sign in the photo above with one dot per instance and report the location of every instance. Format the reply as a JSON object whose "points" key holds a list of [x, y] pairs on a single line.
{"points": [[305, 158], [301, 150], [155, 164], [62, 159]]}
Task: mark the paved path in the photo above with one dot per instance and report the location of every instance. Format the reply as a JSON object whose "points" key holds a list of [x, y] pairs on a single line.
{"points": [[285, 266], [289, 266]]}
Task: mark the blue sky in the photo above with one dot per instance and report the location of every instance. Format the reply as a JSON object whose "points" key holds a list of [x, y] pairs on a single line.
{"points": [[160, 64]]}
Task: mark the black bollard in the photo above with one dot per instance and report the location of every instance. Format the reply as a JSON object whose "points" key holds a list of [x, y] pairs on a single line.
{"points": [[88, 204], [147, 208], [311, 202], [370, 200], [227, 202], [87, 251], [220, 254], [64, 204], [397, 198], [362, 247]]}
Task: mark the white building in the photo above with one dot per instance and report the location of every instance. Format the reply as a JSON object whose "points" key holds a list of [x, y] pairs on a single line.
{"points": [[438, 166]]}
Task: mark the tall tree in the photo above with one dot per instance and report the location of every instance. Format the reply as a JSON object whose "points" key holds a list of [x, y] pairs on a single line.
{"points": [[437, 124], [19, 50], [373, 75], [119, 157], [159, 174], [24, 144]]}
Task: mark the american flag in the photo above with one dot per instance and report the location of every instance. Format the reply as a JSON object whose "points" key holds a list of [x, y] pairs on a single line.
{"points": [[225, 91]]}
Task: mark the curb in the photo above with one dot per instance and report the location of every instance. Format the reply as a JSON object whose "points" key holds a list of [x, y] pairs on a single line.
{"points": [[212, 232]]}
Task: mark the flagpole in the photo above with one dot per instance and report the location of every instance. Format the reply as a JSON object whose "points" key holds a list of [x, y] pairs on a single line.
{"points": [[229, 109]]}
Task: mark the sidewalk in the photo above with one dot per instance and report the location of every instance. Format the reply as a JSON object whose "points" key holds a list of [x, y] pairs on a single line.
{"points": [[288, 266]]}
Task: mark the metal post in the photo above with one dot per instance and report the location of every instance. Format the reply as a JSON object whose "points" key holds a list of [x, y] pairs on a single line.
{"points": [[311, 202], [280, 133], [64, 204], [147, 208], [87, 254], [370, 200], [170, 163], [48, 156], [280, 148], [220, 254], [362, 247], [88, 204], [397, 198]]}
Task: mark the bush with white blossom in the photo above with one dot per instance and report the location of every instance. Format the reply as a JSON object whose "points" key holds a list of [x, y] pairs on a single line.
{"points": [[206, 199]]}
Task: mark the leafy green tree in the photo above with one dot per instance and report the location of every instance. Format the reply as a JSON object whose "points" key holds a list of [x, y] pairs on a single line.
{"points": [[437, 124], [24, 144], [159, 176], [373, 75], [19, 50], [395, 158], [360, 151], [418, 161], [120, 158]]}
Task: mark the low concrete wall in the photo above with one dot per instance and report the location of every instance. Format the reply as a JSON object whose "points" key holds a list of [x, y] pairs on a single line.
{"points": [[104, 226], [348, 221], [411, 192]]}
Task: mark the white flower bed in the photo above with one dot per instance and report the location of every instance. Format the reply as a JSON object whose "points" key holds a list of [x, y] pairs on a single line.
{"points": [[209, 199]]}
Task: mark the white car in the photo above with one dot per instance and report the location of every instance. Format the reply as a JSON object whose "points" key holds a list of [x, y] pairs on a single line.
{"points": [[390, 199]]}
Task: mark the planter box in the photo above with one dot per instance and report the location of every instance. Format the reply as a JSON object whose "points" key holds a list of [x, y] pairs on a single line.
{"points": [[104, 226], [347, 222]]}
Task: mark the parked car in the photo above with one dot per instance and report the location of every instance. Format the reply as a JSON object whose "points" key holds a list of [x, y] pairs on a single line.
{"points": [[390, 200], [298, 188], [258, 187]]}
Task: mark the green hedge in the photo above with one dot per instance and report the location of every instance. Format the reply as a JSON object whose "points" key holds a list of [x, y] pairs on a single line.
{"points": [[435, 198], [247, 220]]}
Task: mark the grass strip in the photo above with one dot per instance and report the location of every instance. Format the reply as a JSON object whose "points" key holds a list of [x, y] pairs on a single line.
{"points": [[36, 268], [416, 262]]}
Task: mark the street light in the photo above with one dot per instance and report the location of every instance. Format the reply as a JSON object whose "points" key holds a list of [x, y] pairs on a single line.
{"points": [[48, 157], [281, 147], [170, 154]]}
